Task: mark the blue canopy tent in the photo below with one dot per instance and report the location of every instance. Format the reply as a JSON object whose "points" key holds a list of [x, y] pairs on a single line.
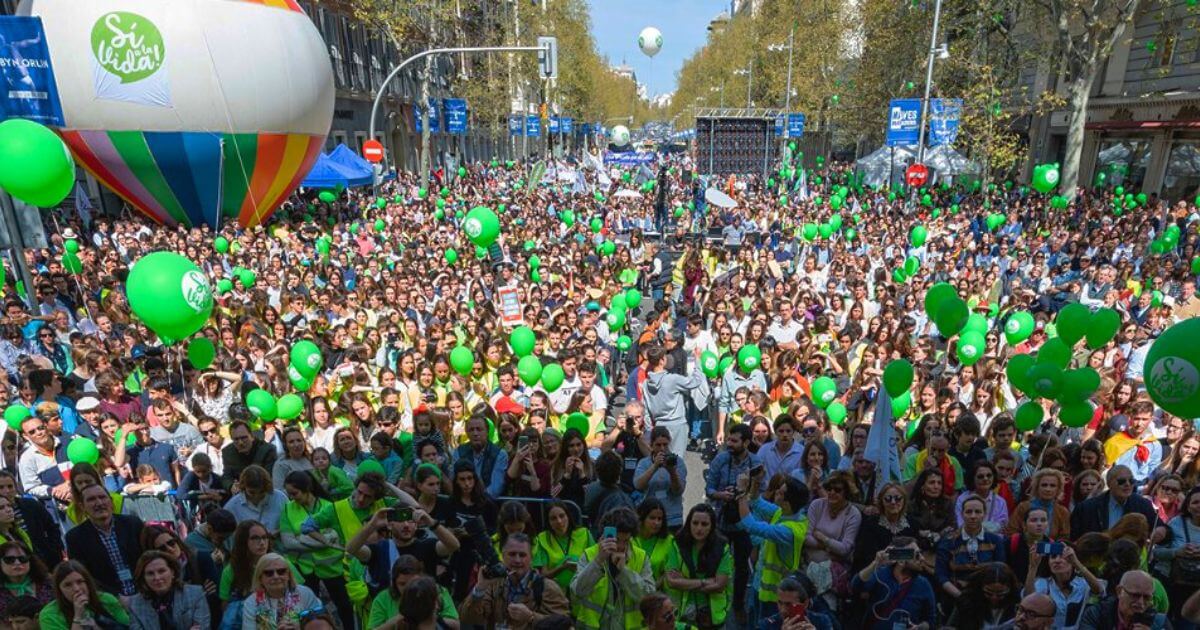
{"points": [[327, 173], [341, 154]]}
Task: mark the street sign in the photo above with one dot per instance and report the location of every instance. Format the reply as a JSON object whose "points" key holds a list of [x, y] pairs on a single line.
{"points": [[795, 125], [916, 175], [373, 151], [548, 57], [904, 121]]}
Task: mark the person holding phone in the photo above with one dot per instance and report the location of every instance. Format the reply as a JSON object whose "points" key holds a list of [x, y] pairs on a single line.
{"points": [[1061, 576], [393, 532], [896, 591], [779, 519], [613, 576], [795, 612]]}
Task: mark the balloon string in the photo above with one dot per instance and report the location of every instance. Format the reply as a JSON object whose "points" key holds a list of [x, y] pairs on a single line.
{"points": [[74, 276], [237, 149]]}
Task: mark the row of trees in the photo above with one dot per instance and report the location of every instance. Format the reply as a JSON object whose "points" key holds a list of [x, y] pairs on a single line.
{"points": [[851, 58]]}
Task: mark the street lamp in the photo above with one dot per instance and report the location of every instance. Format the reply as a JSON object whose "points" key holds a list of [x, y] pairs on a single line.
{"points": [[941, 52], [787, 99], [721, 89], [748, 71]]}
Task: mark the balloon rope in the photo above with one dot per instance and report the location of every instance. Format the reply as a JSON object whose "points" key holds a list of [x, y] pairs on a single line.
{"points": [[237, 149], [183, 381], [74, 276]]}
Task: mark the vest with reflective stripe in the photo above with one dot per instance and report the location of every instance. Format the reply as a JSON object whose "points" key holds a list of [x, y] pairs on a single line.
{"points": [[326, 563], [658, 549], [556, 555], [590, 609], [718, 603], [774, 567], [348, 521]]}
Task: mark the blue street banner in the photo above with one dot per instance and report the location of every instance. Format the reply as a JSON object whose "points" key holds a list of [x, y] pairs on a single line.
{"points": [[455, 110], [944, 114], [435, 117], [533, 126], [779, 125], [553, 129], [516, 125], [628, 159], [29, 90], [568, 125], [904, 121], [795, 125]]}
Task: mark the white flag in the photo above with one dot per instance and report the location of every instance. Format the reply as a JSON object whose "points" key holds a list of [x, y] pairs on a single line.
{"points": [[882, 441]]}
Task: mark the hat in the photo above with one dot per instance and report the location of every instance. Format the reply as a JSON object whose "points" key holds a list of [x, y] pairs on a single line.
{"points": [[69, 234], [508, 405], [87, 403]]}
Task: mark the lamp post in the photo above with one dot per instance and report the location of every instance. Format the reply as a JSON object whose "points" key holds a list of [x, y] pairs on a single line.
{"points": [[748, 72], [787, 98], [934, 50]]}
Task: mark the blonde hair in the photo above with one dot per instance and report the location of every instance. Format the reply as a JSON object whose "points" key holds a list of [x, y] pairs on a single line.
{"points": [[256, 584]]}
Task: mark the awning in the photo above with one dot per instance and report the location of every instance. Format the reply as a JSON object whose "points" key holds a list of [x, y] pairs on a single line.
{"points": [[1147, 125]]}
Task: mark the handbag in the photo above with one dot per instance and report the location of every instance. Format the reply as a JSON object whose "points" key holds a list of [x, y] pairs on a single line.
{"points": [[1185, 571]]}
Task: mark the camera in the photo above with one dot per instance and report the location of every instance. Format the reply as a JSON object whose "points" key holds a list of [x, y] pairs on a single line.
{"points": [[757, 470], [671, 459], [400, 515], [485, 554]]}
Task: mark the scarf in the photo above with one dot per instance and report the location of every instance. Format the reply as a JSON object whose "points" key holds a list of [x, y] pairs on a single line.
{"points": [[1120, 443], [949, 479], [1004, 489]]}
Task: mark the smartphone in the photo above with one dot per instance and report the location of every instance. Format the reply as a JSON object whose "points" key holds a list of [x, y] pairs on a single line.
{"points": [[1050, 548], [522, 442], [400, 515], [900, 554], [794, 611], [757, 470], [609, 532]]}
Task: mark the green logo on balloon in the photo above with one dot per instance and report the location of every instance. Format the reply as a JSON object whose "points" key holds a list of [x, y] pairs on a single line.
{"points": [[473, 227], [1012, 327], [1174, 379], [196, 291], [127, 45]]}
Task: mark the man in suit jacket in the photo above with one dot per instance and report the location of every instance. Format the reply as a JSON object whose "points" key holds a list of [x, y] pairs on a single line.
{"points": [[1100, 513], [107, 544]]}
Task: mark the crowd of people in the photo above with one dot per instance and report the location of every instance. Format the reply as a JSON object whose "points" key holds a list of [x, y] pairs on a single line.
{"points": [[411, 493]]}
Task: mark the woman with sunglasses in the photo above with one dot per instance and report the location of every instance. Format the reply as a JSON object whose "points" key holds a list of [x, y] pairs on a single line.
{"points": [[163, 600], [78, 605], [277, 600], [877, 531], [251, 541], [24, 575]]}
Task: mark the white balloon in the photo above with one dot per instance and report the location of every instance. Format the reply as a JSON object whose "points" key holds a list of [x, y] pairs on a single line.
{"points": [[650, 41], [620, 135]]}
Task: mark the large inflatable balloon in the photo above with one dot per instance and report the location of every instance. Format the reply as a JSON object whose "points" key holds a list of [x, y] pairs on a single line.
{"points": [[169, 294], [620, 135], [199, 112], [650, 41]]}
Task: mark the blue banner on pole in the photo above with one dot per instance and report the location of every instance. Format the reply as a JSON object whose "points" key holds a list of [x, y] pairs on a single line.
{"points": [[533, 126], [944, 114], [456, 115], [554, 122], [779, 125], [516, 125], [628, 159], [795, 125], [904, 121], [29, 88], [435, 117], [567, 125]]}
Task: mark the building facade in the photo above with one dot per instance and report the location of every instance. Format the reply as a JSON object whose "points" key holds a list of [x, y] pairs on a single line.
{"points": [[1143, 117]]}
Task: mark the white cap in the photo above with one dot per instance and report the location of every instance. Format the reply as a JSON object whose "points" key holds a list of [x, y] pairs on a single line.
{"points": [[87, 403]]}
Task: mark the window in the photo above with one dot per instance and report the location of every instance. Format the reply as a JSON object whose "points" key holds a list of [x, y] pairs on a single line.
{"points": [[336, 56], [1124, 161], [1182, 178]]}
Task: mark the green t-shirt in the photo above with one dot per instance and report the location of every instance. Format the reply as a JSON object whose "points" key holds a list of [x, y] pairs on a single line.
{"points": [[51, 618], [385, 607], [692, 598]]}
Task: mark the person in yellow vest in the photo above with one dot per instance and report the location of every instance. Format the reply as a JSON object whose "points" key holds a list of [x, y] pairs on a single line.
{"points": [[317, 564], [556, 551], [613, 576], [698, 570], [653, 536], [10, 528], [347, 516], [781, 523], [517, 600]]}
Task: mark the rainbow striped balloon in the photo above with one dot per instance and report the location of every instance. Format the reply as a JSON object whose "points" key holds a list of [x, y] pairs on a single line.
{"points": [[200, 112]]}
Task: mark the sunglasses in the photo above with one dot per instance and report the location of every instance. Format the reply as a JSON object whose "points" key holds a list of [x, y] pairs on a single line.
{"points": [[1123, 481], [16, 560], [893, 498], [275, 572]]}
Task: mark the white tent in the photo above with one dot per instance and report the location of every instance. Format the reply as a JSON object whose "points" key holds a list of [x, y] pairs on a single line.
{"points": [[875, 167], [946, 164]]}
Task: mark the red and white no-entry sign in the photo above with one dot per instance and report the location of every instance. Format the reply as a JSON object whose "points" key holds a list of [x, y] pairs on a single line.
{"points": [[373, 151]]}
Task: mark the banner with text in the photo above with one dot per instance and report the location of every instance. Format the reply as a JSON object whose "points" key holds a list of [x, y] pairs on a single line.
{"points": [[29, 87], [516, 124], [944, 114], [435, 117], [795, 125], [533, 126], [455, 111], [904, 121]]}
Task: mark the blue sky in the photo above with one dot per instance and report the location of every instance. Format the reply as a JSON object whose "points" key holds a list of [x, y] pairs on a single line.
{"points": [[616, 24]]}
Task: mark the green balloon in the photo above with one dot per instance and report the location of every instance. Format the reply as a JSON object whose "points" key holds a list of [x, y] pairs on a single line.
{"points": [[306, 357], [422, 192], [371, 466], [224, 285], [169, 294], [200, 352], [552, 377], [482, 226], [298, 380], [709, 364], [810, 231], [971, 345], [14, 415], [72, 263], [1171, 369], [1046, 379], [326, 196], [1072, 322], [444, 192], [248, 278], [918, 236], [597, 224], [37, 167], [221, 244], [749, 358], [826, 230], [440, 204], [1018, 328], [836, 412], [624, 343], [824, 391], [1075, 414], [529, 370], [633, 298], [726, 361], [897, 377], [1055, 352], [937, 295], [901, 403], [976, 323], [899, 275], [951, 316], [81, 450], [1029, 416], [522, 339], [480, 252], [380, 225], [262, 405], [289, 406], [1017, 372], [608, 248], [1102, 327], [535, 262], [615, 320], [1079, 384], [567, 217], [451, 255], [462, 360], [911, 265]]}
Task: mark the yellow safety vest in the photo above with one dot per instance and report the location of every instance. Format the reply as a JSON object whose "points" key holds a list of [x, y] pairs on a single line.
{"points": [[774, 567], [589, 610], [658, 549], [348, 520], [718, 603], [325, 563], [556, 555], [75, 511]]}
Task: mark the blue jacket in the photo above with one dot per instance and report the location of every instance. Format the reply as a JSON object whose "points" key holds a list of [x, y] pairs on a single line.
{"points": [[491, 467], [918, 605]]}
